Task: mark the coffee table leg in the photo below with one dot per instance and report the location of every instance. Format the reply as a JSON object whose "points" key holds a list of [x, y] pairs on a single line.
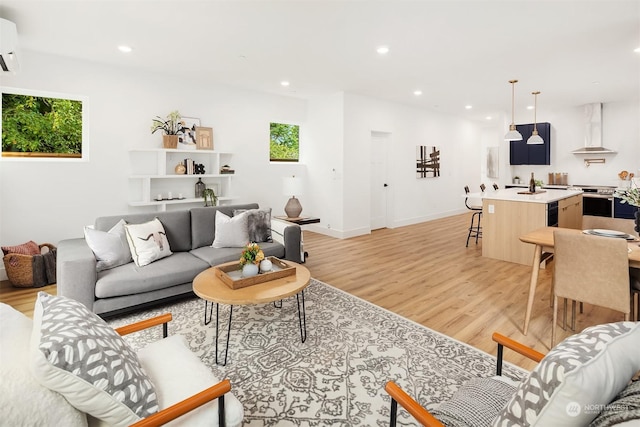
{"points": [[206, 304], [279, 305], [302, 316], [226, 351]]}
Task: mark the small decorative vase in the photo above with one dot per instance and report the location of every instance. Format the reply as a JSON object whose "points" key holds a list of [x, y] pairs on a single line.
{"points": [[249, 270], [170, 141], [199, 188], [180, 169], [265, 265]]}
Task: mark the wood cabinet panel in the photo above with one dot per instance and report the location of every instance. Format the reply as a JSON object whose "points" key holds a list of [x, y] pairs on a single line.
{"points": [[570, 212]]}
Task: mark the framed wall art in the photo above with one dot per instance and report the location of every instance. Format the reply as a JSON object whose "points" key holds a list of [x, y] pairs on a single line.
{"points": [[427, 161], [188, 134], [204, 138], [492, 162]]}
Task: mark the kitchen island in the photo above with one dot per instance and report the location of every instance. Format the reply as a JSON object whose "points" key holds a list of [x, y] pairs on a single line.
{"points": [[507, 215]]}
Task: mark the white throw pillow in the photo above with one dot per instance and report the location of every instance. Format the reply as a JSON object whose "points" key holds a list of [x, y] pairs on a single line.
{"points": [[75, 353], [231, 232], [577, 378], [24, 401], [110, 248], [148, 242]]}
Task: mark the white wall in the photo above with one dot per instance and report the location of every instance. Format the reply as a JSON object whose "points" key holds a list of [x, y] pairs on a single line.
{"points": [[620, 132]]}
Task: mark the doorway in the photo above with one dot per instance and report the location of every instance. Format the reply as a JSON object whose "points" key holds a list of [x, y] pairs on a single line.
{"points": [[380, 143]]}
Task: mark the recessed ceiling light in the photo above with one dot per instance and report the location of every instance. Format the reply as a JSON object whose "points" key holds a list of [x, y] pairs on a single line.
{"points": [[488, 117], [124, 49], [382, 50], [284, 83], [468, 107], [529, 107], [417, 92], [637, 50]]}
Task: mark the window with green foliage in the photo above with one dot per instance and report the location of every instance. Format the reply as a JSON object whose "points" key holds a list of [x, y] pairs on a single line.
{"points": [[42, 125], [285, 142]]}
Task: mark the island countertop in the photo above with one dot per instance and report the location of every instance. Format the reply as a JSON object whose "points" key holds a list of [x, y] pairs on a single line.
{"points": [[511, 194]]}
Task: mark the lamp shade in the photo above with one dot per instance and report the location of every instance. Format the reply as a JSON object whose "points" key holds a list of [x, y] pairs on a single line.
{"points": [[513, 135], [291, 186], [535, 139]]}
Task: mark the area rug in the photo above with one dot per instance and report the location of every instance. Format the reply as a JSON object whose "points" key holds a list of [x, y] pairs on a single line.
{"points": [[335, 378]]}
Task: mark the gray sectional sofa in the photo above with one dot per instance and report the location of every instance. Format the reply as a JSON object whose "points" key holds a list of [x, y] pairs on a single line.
{"points": [[190, 234]]}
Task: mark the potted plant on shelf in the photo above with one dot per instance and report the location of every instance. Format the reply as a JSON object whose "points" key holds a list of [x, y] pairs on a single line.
{"points": [[516, 179], [171, 127], [210, 195]]}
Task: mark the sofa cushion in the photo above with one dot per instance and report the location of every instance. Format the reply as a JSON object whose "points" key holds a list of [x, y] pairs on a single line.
{"points": [[148, 242], [177, 381], [75, 353], [177, 225], [585, 370], [215, 256], [203, 222], [231, 232], [258, 224], [110, 248], [28, 248], [24, 401], [181, 267]]}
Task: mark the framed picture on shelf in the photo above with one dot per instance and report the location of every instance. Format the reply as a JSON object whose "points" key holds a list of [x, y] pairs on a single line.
{"points": [[188, 134], [204, 138]]}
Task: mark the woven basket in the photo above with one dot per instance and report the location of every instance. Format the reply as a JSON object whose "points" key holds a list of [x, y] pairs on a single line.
{"points": [[26, 271]]}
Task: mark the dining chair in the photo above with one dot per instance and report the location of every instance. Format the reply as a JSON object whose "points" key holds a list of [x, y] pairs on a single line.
{"points": [[483, 187], [590, 269], [474, 229], [495, 186], [634, 278]]}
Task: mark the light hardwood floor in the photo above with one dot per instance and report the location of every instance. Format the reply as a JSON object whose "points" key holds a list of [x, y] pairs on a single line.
{"points": [[425, 273]]}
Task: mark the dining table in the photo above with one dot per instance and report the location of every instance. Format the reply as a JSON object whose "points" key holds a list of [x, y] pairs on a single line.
{"points": [[542, 238]]}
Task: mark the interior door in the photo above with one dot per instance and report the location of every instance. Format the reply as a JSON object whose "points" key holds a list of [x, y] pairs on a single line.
{"points": [[379, 180]]}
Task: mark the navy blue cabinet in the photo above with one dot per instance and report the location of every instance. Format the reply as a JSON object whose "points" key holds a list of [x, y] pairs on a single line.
{"points": [[623, 210], [521, 153]]}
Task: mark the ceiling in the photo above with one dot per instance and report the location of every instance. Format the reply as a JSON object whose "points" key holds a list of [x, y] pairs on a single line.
{"points": [[456, 52]]}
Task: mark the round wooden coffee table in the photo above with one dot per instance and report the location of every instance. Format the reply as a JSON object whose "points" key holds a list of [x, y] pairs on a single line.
{"points": [[212, 289]]}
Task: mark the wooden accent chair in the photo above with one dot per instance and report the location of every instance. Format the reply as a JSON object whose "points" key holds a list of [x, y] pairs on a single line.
{"points": [[474, 229], [596, 368], [399, 396], [590, 269]]}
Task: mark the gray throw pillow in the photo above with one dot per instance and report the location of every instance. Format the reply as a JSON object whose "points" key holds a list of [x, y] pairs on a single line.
{"points": [[258, 224], [109, 247]]}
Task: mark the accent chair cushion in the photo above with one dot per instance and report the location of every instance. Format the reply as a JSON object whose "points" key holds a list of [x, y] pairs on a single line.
{"points": [[178, 374], [585, 371], [110, 248], [24, 401], [258, 224], [75, 353], [28, 248], [147, 242], [231, 232]]}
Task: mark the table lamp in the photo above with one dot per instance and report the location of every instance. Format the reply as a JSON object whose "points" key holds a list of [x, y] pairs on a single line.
{"points": [[290, 187]]}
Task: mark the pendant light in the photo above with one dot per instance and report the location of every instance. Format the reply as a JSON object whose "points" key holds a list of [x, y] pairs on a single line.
{"points": [[513, 134], [535, 139]]}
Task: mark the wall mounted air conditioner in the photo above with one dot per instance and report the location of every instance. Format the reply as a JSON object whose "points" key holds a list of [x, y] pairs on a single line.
{"points": [[8, 47]]}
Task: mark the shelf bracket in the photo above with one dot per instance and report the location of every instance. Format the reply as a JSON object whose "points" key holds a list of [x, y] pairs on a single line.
{"points": [[587, 162]]}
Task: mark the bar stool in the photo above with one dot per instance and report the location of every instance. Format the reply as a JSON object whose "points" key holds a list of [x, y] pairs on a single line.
{"points": [[474, 229]]}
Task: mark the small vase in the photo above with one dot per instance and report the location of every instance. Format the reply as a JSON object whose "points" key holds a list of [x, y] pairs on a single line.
{"points": [[265, 265], [249, 270]]}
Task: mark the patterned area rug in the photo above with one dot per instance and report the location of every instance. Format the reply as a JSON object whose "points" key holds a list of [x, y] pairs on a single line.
{"points": [[335, 378]]}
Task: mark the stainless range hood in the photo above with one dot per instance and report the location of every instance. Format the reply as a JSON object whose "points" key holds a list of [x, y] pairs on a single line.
{"points": [[593, 131]]}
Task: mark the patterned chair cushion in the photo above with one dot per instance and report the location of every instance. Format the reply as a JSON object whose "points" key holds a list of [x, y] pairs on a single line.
{"points": [[75, 353], [476, 402], [583, 372]]}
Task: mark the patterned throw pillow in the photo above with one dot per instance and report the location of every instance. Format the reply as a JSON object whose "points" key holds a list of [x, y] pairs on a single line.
{"points": [[258, 224], [147, 242], [75, 353], [577, 378], [29, 248], [110, 248]]}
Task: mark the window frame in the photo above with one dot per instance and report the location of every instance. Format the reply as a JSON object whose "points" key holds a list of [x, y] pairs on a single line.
{"points": [[48, 157], [271, 160]]}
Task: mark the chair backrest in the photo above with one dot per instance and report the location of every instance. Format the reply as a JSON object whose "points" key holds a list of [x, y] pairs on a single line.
{"points": [[466, 189], [618, 224], [483, 187], [592, 269], [495, 186]]}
